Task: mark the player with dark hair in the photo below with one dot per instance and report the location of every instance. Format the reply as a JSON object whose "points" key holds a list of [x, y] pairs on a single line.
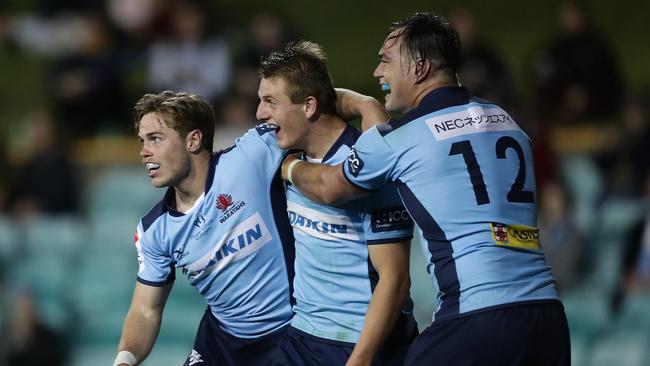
{"points": [[464, 171], [352, 260], [223, 222]]}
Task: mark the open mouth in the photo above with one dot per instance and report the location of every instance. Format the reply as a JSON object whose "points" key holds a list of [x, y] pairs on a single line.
{"points": [[385, 87], [276, 127], [151, 167]]}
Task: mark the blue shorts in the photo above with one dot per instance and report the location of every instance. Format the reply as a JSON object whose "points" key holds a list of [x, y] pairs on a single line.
{"points": [[213, 346], [531, 333], [298, 348]]}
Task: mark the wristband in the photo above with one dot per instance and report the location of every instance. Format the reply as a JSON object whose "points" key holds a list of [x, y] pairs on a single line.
{"points": [[290, 169], [125, 357]]}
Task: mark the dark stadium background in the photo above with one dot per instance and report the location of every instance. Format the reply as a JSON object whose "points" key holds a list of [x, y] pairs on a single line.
{"points": [[72, 188]]}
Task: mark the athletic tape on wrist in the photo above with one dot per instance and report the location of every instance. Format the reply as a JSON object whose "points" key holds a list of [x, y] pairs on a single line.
{"points": [[290, 170], [125, 357]]}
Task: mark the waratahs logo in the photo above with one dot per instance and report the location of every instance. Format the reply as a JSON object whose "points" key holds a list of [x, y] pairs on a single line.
{"points": [[224, 201], [227, 206]]}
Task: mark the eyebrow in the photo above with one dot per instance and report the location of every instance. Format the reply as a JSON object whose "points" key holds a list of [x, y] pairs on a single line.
{"points": [[150, 134]]}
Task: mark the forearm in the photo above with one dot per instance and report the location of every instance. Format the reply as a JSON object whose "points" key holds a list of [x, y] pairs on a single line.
{"points": [[139, 333], [351, 104], [384, 309], [320, 183]]}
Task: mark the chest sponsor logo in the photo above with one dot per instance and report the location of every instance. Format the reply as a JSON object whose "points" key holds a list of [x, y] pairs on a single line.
{"points": [[389, 219], [323, 226], [516, 236], [242, 240], [355, 164], [472, 120], [224, 202]]}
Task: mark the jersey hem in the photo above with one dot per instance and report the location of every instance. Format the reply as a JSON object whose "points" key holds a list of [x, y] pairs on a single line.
{"points": [[497, 307], [321, 339], [155, 283], [388, 240]]}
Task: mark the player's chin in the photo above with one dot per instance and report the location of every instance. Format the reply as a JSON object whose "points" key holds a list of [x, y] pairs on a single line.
{"points": [[283, 143], [157, 182]]}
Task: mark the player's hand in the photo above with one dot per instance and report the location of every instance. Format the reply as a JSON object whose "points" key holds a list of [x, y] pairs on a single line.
{"points": [[285, 165], [350, 105]]}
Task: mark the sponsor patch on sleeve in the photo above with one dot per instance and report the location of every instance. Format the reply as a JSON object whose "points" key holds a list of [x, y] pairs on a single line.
{"points": [[389, 219], [516, 236], [355, 164]]}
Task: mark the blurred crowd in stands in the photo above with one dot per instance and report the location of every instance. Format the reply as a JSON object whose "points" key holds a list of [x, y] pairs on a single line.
{"points": [[591, 133]]}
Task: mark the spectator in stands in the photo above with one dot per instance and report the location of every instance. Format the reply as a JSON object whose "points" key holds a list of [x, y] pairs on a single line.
{"points": [[190, 57], [47, 182], [624, 163], [482, 69], [635, 266], [86, 85], [636, 259], [31, 342], [266, 33], [233, 121], [578, 68], [563, 243]]}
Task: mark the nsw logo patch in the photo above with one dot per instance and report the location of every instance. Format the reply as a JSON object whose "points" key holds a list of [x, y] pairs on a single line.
{"points": [[516, 236]]}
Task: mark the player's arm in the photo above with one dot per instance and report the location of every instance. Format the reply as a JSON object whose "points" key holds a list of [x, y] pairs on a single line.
{"points": [[350, 105], [392, 264], [319, 182], [142, 322]]}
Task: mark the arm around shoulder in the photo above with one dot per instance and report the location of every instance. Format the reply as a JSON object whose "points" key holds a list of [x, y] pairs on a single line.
{"points": [[350, 105], [319, 182]]}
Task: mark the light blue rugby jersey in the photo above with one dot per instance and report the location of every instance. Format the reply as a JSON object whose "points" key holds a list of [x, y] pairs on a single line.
{"points": [[236, 245], [334, 277], [464, 171]]}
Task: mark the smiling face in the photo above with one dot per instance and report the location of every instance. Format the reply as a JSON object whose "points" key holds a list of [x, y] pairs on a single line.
{"points": [[277, 108], [395, 70], [164, 152]]}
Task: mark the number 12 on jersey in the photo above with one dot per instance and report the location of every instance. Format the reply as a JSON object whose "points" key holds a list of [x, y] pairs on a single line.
{"points": [[517, 192]]}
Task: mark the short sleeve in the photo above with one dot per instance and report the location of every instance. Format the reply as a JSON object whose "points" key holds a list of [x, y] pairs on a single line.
{"points": [[154, 267], [370, 161], [385, 219], [260, 148]]}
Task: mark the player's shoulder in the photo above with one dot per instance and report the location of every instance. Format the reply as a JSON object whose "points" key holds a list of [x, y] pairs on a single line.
{"points": [[264, 133], [157, 211], [341, 147], [265, 128]]}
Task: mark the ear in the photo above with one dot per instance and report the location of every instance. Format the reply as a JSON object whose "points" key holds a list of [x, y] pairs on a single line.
{"points": [[310, 106], [194, 140], [422, 69]]}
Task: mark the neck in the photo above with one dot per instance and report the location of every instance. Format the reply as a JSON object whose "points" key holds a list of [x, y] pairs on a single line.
{"points": [[323, 134], [191, 188], [429, 85]]}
